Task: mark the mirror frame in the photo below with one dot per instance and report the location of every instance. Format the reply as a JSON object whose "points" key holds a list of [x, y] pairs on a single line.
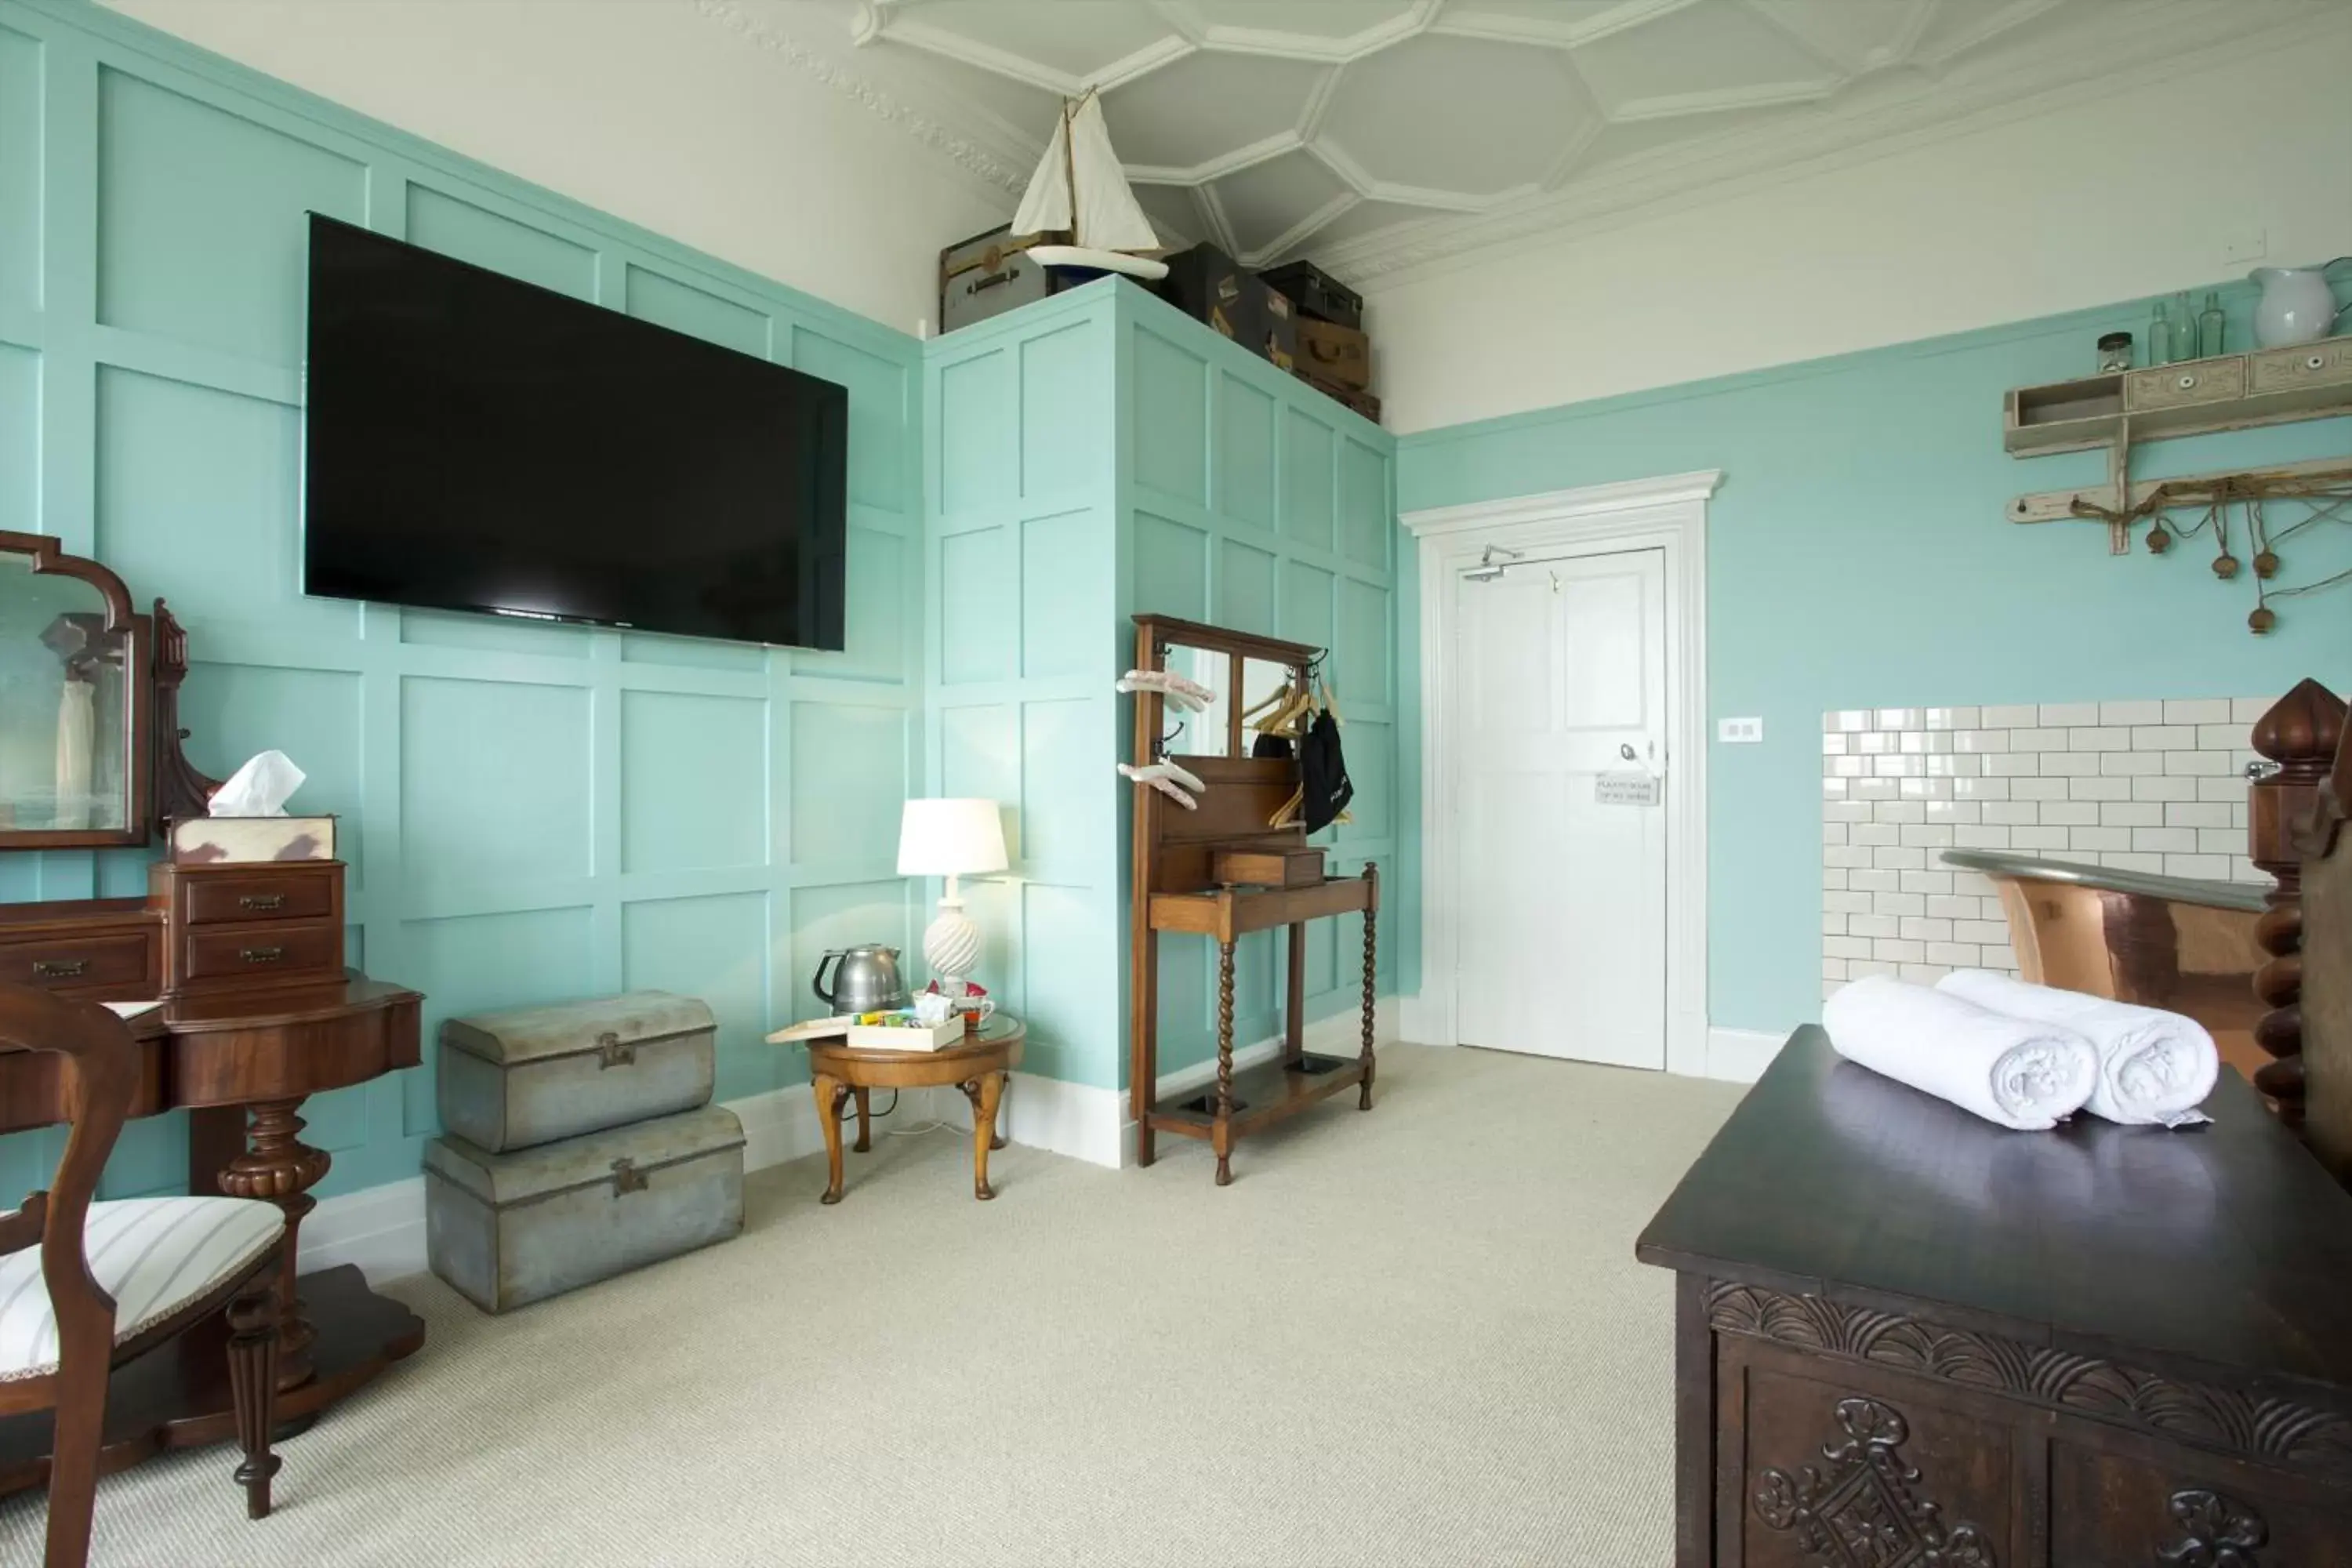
{"points": [[50, 560]]}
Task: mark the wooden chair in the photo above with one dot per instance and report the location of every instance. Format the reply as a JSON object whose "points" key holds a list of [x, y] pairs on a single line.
{"points": [[111, 1281]]}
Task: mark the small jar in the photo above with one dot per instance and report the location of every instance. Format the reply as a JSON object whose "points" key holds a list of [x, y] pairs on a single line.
{"points": [[2115, 353]]}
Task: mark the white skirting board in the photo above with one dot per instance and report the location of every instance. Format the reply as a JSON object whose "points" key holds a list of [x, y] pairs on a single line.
{"points": [[1740, 1055], [382, 1230]]}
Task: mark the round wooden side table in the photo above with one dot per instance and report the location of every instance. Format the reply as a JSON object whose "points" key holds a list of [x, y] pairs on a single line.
{"points": [[838, 1070]]}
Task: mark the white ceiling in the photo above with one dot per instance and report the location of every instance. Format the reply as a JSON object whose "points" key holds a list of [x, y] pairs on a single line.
{"points": [[1373, 134]]}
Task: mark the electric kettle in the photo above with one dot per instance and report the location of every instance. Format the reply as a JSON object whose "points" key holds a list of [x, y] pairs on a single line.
{"points": [[864, 980]]}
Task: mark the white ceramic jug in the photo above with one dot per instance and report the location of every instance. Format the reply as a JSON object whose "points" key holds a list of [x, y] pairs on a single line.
{"points": [[2296, 306]]}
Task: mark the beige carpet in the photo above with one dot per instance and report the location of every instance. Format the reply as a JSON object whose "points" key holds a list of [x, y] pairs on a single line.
{"points": [[1417, 1336]]}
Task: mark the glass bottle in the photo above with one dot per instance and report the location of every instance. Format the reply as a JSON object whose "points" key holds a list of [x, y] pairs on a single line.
{"points": [[2159, 336], [2209, 325], [2184, 327]]}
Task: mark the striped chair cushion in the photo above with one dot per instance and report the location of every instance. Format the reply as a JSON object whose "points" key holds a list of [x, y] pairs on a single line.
{"points": [[154, 1256]]}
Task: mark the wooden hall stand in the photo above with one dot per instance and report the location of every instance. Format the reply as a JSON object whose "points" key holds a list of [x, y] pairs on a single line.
{"points": [[1177, 887], [239, 1050]]}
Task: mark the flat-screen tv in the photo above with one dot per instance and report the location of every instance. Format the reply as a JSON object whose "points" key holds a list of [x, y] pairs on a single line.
{"points": [[476, 443]]}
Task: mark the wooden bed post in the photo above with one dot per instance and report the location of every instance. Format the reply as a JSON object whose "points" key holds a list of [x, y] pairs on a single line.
{"points": [[2301, 734], [2324, 1009]]}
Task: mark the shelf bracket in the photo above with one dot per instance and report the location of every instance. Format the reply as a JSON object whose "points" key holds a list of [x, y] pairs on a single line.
{"points": [[2058, 506]]}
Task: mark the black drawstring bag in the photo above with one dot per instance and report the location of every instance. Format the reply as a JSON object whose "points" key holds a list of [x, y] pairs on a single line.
{"points": [[1323, 773]]}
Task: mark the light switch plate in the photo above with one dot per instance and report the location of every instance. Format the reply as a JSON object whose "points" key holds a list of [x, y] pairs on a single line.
{"points": [[1739, 732]]}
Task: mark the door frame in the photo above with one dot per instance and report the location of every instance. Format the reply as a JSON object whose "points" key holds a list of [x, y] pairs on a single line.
{"points": [[1667, 514]]}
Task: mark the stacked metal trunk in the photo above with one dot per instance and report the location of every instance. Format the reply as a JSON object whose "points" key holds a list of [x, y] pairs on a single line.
{"points": [[579, 1142]]}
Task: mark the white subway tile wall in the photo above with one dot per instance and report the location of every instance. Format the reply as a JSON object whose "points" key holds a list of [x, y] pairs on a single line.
{"points": [[2156, 785]]}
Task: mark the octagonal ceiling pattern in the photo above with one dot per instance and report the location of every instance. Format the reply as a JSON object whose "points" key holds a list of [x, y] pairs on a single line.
{"points": [[1270, 126]]}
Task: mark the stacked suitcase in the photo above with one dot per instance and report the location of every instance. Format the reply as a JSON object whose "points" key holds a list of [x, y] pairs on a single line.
{"points": [[579, 1142], [1334, 355]]}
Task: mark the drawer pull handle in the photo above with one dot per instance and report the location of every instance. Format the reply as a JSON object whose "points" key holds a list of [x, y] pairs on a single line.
{"points": [[60, 968], [2186, 382], [627, 1177], [261, 900], [261, 955], [2315, 361], [612, 1053]]}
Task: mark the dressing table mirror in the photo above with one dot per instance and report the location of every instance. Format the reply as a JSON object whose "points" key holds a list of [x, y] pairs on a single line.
{"points": [[1207, 733], [91, 758]]}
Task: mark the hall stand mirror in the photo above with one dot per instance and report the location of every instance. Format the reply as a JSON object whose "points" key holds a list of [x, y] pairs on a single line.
{"points": [[1222, 871], [92, 757]]}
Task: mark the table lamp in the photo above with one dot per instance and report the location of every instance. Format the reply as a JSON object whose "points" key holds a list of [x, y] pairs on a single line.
{"points": [[950, 838]]}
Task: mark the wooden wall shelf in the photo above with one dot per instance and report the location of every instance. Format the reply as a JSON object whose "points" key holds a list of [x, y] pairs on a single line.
{"points": [[2228, 392]]}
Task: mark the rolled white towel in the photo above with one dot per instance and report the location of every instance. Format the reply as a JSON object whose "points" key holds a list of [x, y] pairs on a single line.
{"points": [[2014, 1071], [2155, 1068]]}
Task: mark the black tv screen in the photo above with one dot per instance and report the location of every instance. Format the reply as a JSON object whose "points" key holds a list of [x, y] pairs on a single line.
{"points": [[476, 443]]}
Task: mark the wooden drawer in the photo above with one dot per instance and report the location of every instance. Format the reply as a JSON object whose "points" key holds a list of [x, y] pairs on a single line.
{"points": [[117, 959], [2327, 363], [1271, 867], [261, 952], [258, 895], [2184, 385]]}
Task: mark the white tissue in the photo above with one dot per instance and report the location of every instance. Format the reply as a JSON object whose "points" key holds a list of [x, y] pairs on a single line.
{"points": [[260, 788]]}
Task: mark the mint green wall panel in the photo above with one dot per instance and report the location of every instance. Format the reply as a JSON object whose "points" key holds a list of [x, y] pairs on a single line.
{"points": [[201, 220], [978, 405], [519, 248], [1065, 435], [849, 777], [715, 948], [494, 777], [995, 904], [1170, 427], [689, 653], [1171, 568], [20, 439], [1305, 603], [1371, 749], [20, 173], [683, 307], [1059, 573], [979, 757], [1310, 478], [693, 780], [1065, 808], [1065, 985], [493, 633], [876, 576], [1366, 509], [878, 413], [477, 804], [234, 711], [1360, 661], [1244, 455], [199, 500], [1858, 556], [1244, 587], [838, 915], [976, 585]]}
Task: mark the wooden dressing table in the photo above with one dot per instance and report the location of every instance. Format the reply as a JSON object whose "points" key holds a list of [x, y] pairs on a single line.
{"points": [[1204, 871], [239, 1054]]}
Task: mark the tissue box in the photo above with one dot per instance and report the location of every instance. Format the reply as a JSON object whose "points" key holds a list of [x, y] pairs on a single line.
{"points": [[214, 840]]}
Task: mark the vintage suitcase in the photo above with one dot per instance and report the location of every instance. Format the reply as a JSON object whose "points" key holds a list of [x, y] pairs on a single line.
{"points": [[509, 1080], [1212, 287], [1318, 294], [1339, 354], [1362, 402], [508, 1229], [988, 275]]}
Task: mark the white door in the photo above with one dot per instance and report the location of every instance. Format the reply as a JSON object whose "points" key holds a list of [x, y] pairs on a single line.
{"points": [[1560, 900]]}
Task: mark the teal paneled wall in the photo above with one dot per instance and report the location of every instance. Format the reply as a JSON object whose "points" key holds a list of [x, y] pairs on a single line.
{"points": [[1858, 556], [1248, 500], [1020, 535], [531, 813]]}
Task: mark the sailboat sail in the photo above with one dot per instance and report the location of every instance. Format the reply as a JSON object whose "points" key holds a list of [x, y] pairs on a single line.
{"points": [[1045, 204], [1108, 217]]}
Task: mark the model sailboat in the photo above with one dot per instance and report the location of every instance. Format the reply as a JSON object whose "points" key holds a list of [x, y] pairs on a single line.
{"points": [[1080, 190]]}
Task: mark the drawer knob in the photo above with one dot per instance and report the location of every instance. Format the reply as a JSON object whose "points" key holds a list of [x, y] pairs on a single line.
{"points": [[2315, 361], [261, 955], [2187, 384], [261, 900], [60, 968]]}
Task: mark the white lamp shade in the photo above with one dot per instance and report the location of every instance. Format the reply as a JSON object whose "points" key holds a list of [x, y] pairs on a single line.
{"points": [[950, 838]]}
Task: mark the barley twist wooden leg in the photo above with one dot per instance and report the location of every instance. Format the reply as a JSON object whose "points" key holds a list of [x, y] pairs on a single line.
{"points": [[1371, 980], [253, 1388], [1221, 1134]]}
